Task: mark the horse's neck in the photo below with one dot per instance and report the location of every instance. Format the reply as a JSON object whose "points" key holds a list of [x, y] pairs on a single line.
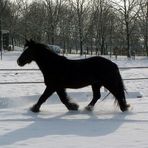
{"points": [[48, 63]]}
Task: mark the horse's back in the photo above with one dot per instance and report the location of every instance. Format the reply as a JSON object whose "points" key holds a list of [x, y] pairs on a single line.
{"points": [[93, 67], [96, 62]]}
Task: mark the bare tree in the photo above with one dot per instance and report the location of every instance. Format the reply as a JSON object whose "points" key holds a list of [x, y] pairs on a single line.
{"points": [[53, 11], [128, 10], [143, 22], [146, 30], [101, 22], [3, 4], [66, 25], [81, 7], [12, 23], [36, 21], [23, 8]]}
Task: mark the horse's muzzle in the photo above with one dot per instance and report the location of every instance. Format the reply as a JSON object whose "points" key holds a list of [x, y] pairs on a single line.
{"points": [[20, 64]]}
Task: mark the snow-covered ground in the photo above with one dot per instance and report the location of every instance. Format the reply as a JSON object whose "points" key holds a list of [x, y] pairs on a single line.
{"points": [[55, 127]]}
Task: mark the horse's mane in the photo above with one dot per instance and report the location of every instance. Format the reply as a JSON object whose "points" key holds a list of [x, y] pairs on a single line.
{"points": [[46, 48], [42, 48]]}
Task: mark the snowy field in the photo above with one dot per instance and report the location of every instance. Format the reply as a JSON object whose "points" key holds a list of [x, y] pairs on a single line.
{"points": [[55, 127]]}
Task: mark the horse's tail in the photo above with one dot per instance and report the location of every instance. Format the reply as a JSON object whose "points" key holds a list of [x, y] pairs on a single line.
{"points": [[119, 91]]}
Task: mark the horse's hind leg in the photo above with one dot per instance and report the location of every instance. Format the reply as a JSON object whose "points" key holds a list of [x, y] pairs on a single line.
{"points": [[42, 99], [66, 100], [96, 96]]}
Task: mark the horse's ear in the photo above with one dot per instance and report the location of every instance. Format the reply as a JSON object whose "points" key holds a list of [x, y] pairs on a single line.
{"points": [[32, 41], [27, 41]]}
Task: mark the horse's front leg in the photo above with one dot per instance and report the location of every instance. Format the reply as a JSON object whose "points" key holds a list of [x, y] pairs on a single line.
{"points": [[47, 93], [66, 100]]}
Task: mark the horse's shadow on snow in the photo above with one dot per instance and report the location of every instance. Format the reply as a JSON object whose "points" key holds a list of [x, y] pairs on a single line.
{"points": [[87, 125]]}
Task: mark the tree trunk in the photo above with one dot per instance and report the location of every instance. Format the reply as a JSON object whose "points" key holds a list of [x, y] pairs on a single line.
{"points": [[102, 45], [52, 35], [146, 44], [80, 36], [1, 44], [81, 46], [146, 36], [126, 15], [0, 34], [128, 46]]}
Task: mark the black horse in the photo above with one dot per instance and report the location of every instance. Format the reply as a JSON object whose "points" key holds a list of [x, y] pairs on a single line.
{"points": [[61, 73]]}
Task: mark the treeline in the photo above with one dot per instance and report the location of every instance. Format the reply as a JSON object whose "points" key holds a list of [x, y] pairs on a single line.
{"points": [[117, 27]]}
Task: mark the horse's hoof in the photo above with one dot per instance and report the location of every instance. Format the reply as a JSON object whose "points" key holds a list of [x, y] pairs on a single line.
{"points": [[35, 109], [128, 105], [126, 108], [73, 106], [89, 108]]}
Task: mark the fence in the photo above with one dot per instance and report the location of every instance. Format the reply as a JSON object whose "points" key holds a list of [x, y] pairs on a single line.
{"points": [[37, 82]]}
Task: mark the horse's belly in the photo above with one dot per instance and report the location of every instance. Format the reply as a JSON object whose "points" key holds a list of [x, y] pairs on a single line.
{"points": [[76, 85], [79, 83], [78, 80]]}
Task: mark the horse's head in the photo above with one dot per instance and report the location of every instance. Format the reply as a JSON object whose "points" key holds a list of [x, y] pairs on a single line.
{"points": [[27, 56]]}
